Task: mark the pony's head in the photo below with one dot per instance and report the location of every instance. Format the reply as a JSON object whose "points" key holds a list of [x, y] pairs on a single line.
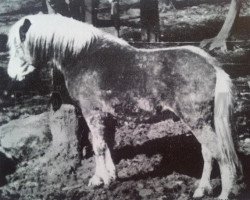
{"points": [[19, 65]]}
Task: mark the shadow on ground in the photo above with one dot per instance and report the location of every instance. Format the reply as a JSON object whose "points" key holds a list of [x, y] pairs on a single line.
{"points": [[7, 166], [181, 154]]}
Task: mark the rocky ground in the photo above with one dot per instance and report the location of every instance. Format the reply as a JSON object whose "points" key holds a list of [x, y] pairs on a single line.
{"points": [[155, 159]]}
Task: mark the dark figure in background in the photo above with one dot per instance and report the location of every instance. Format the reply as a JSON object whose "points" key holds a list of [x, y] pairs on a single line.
{"points": [[56, 6], [77, 9], [69, 8], [115, 14], [150, 28]]}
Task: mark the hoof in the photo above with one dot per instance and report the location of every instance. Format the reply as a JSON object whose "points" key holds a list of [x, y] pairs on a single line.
{"points": [[95, 181], [201, 191], [223, 197]]}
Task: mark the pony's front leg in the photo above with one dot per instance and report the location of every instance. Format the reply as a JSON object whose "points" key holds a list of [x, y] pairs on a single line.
{"points": [[204, 184], [105, 169], [110, 166]]}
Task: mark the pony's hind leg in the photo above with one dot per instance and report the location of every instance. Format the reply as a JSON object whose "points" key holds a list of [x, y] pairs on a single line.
{"points": [[230, 170], [204, 184], [229, 163], [100, 147], [228, 177]]}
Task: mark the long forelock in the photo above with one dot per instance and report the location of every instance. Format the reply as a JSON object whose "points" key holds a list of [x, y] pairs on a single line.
{"points": [[13, 38]]}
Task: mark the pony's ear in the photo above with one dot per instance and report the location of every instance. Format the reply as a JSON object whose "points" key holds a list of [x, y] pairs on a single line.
{"points": [[23, 29]]}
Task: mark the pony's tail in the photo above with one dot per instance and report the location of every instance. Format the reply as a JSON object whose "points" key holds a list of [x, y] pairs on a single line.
{"points": [[223, 115]]}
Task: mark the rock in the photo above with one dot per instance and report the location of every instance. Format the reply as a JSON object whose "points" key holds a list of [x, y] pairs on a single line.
{"points": [[162, 198], [63, 125], [140, 185], [49, 137], [22, 139], [244, 146], [159, 189], [26, 137], [145, 192]]}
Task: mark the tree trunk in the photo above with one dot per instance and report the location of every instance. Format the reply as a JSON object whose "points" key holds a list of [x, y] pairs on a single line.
{"points": [[226, 31]]}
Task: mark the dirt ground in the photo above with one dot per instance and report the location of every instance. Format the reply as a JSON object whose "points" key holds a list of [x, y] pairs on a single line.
{"points": [[156, 157]]}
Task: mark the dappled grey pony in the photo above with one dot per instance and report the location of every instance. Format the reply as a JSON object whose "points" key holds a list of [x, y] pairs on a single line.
{"points": [[102, 72]]}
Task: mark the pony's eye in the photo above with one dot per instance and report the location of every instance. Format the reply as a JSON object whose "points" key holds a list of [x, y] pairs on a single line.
{"points": [[23, 64], [26, 68]]}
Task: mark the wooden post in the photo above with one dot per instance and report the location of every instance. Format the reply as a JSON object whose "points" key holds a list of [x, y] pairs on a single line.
{"points": [[149, 20]]}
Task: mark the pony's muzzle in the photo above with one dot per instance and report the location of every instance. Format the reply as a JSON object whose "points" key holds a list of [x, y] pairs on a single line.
{"points": [[17, 69]]}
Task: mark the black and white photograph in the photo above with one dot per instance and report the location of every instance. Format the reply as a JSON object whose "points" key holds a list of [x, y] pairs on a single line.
{"points": [[124, 99]]}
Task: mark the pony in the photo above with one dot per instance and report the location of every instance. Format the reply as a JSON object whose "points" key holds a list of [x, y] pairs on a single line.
{"points": [[103, 72]]}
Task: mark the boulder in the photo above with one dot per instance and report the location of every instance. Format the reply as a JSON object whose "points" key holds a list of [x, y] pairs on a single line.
{"points": [[47, 140]]}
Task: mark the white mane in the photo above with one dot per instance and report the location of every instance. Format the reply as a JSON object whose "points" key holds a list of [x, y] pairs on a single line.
{"points": [[65, 34]]}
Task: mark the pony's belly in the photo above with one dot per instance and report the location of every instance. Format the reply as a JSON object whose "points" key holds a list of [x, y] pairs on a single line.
{"points": [[129, 102]]}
